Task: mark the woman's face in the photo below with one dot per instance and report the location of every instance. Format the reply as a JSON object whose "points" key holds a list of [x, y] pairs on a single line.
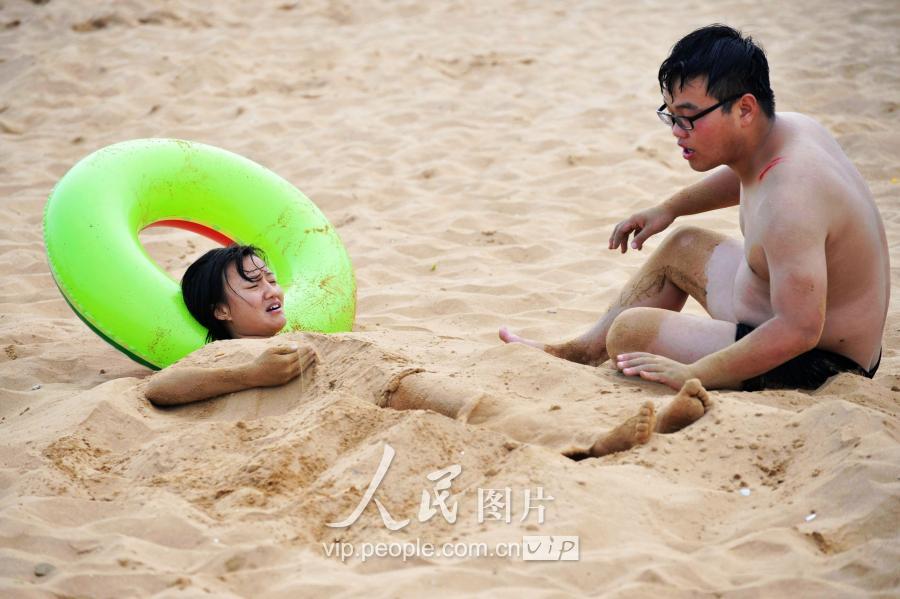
{"points": [[252, 308]]}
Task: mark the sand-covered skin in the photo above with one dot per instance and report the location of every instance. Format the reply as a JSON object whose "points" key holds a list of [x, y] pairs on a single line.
{"points": [[473, 157]]}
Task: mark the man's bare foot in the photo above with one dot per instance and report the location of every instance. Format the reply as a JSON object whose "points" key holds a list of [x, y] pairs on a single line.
{"points": [[634, 431], [691, 403], [573, 351]]}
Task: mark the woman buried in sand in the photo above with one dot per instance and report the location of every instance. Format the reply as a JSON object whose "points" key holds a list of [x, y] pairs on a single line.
{"points": [[232, 293]]}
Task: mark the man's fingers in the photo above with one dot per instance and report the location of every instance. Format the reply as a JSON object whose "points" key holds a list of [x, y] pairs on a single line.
{"points": [[642, 368], [639, 239], [636, 361], [616, 238], [631, 227], [622, 240], [633, 355], [657, 375], [620, 235], [633, 370], [666, 380], [635, 227]]}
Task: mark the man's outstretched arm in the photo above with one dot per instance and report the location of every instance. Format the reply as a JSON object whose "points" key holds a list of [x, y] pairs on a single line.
{"points": [[719, 190]]}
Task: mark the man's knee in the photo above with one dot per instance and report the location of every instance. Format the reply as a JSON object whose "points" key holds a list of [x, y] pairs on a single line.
{"points": [[688, 250], [687, 236], [635, 329]]}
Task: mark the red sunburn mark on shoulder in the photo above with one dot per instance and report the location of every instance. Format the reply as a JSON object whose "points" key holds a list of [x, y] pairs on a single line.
{"points": [[768, 167]]}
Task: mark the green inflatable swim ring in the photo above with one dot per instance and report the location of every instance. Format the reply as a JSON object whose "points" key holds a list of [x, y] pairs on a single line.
{"points": [[95, 212]]}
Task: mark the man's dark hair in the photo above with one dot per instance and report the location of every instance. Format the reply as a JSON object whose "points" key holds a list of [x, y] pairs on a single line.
{"points": [[203, 285], [732, 64]]}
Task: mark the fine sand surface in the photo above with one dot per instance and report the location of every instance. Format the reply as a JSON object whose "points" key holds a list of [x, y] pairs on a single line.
{"points": [[474, 157]]}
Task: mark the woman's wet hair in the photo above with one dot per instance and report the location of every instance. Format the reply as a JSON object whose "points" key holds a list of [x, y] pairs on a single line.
{"points": [[203, 285], [732, 64]]}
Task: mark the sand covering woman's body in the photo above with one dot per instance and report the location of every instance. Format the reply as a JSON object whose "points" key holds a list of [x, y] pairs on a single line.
{"points": [[233, 294]]}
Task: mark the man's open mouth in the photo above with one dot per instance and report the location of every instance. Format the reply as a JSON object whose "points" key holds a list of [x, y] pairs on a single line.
{"points": [[273, 308], [686, 152]]}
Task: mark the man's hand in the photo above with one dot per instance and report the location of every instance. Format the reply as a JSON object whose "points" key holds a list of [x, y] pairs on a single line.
{"points": [[281, 363], [655, 368], [643, 224]]}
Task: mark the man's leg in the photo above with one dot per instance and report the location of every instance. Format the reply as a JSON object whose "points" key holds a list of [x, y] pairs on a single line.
{"points": [[690, 262], [684, 338]]}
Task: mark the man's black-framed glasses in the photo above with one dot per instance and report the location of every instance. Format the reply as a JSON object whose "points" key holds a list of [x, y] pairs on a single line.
{"points": [[687, 122]]}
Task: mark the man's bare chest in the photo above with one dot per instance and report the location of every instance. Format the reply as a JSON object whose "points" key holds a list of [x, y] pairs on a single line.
{"points": [[754, 254]]}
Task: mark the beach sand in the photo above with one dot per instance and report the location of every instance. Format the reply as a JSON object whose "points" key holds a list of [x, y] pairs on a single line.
{"points": [[474, 157]]}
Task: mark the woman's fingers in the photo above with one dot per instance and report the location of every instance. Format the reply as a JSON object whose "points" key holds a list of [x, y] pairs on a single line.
{"points": [[309, 358], [283, 348]]}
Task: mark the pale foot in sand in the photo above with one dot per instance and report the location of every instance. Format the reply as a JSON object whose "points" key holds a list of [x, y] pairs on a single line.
{"points": [[573, 351], [507, 337], [691, 403], [634, 431]]}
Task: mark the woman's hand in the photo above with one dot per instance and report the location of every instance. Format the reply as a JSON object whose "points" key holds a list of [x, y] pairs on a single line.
{"points": [[643, 224], [281, 363]]}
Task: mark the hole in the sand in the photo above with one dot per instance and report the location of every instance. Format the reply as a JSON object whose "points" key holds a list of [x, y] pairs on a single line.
{"points": [[577, 456], [174, 249]]}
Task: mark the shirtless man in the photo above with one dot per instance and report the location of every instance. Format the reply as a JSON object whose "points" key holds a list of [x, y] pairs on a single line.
{"points": [[804, 297]]}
